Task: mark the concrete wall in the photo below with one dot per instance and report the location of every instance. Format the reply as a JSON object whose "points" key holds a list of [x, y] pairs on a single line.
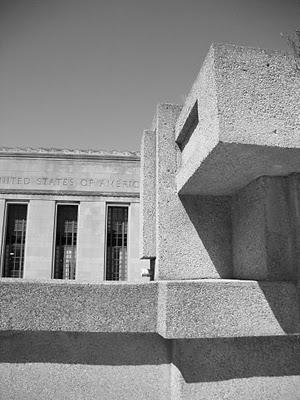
{"points": [[61, 365], [65, 340], [193, 235], [68, 366], [241, 368], [264, 235]]}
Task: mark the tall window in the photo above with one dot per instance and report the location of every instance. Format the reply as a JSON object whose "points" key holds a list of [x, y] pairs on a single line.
{"points": [[14, 246], [116, 243], [65, 241]]}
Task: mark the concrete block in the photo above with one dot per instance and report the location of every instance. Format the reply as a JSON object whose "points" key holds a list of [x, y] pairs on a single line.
{"points": [[264, 238], [91, 241], [39, 248], [227, 308], [148, 196], [250, 127], [184, 249], [70, 306]]}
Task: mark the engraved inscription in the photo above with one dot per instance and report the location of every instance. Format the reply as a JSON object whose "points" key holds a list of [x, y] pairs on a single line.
{"points": [[67, 182]]}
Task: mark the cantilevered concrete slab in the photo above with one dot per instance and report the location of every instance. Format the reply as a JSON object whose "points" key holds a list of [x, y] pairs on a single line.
{"points": [[241, 120]]}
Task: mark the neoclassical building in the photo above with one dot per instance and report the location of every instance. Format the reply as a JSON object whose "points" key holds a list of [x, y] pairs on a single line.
{"points": [[70, 214]]}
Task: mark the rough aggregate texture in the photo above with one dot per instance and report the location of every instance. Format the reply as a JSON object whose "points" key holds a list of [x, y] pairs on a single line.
{"points": [[248, 368], [65, 306], [174, 309], [181, 252], [84, 341], [250, 126], [264, 234], [227, 308], [148, 196], [85, 366]]}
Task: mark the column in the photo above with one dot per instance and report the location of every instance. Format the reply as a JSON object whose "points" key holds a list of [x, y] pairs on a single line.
{"points": [[2, 230], [91, 241], [39, 239]]}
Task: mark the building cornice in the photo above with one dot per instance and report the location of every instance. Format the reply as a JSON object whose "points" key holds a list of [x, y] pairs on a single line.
{"points": [[29, 152]]}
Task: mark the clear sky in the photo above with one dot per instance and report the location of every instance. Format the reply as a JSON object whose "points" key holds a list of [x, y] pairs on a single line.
{"points": [[89, 73]]}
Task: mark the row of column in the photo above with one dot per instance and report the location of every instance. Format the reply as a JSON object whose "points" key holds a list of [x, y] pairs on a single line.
{"points": [[91, 241]]}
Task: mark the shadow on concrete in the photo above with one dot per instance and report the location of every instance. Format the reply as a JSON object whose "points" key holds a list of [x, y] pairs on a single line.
{"points": [[83, 348], [198, 360], [283, 301], [211, 217], [210, 360]]}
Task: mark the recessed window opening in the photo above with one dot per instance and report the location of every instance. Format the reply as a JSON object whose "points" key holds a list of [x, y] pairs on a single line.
{"points": [[65, 241], [188, 127], [116, 243], [15, 235]]}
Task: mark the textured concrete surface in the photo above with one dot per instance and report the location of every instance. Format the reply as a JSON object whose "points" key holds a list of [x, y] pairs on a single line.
{"points": [[256, 129], [264, 237], [294, 185], [82, 341], [203, 94], [211, 217], [181, 248], [174, 309], [135, 264], [241, 368], [70, 306], [227, 308], [148, 196], [85, 366]]}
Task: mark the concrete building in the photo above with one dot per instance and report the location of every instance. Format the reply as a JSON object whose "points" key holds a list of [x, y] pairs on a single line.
{"points": [[70, 215], [220, 200]]}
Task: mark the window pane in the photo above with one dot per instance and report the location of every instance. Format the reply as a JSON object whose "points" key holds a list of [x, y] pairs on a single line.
{"points": [[65, 242], [116, 242], [14, 240]]}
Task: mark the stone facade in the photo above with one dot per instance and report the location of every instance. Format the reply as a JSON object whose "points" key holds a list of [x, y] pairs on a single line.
{"points": [[91, 180]]}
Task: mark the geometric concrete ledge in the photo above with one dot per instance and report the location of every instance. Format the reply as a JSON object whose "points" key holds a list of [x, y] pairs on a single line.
{"points": [[175, 309], [210, 308], [230, 167], [70, 306]]}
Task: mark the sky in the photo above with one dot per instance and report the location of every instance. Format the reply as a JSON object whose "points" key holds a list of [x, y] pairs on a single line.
{"points": [[87, 74]]}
